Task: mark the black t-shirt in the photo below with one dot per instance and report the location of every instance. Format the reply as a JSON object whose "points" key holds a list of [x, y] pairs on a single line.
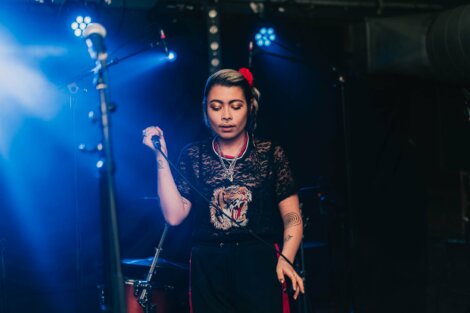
{"points": [[262, 178]]}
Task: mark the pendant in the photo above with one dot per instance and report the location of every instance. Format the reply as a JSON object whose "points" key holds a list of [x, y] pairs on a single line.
{"points": [[228, 174]]}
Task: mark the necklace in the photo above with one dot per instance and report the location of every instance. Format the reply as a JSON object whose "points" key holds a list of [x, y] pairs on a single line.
{"points": [[229, 171]]}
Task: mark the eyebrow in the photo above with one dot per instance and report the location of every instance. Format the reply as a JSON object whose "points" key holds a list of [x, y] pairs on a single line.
{"points": [[230, 102]]}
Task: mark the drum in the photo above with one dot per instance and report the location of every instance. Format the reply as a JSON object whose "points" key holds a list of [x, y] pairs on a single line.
{"points": [[158, 298]]}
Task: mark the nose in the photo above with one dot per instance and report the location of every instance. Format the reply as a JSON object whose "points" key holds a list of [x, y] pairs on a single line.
{"points": [[226, 114]]}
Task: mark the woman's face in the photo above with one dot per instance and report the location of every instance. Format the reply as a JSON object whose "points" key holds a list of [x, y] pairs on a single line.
{"points": [[227, 111]]}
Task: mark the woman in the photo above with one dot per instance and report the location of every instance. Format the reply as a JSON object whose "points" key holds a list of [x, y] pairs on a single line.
{"points": [[245, 201]]}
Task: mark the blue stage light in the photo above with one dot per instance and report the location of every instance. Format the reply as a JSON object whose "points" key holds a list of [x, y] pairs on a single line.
{"points": [[172, 56], [265, 37], [80, 24]]}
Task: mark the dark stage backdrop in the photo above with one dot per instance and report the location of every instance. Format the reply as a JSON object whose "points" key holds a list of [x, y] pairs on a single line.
{"points": [[50, 195], [364, 247]]}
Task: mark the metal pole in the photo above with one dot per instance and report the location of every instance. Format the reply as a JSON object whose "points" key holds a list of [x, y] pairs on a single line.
{"points": [[114, 282]]}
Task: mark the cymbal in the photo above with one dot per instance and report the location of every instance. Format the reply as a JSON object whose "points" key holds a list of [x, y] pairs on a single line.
{"points": [[162, 263]]}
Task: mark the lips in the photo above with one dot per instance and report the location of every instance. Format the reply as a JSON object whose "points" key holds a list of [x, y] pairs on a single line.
{"points": [[227, 127]]}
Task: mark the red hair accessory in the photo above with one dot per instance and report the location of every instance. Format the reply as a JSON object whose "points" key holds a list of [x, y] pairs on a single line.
{"points": [[247, 74]]}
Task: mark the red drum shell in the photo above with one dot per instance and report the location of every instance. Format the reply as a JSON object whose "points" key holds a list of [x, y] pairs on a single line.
{"points": [[159, 298]]}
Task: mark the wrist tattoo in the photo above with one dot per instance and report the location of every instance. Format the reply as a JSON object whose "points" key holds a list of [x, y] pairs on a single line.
{"points": [[160, 164], [287, 238], [291, 219]]}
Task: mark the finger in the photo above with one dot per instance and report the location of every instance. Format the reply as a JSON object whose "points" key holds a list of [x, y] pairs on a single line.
{"points": [[296, 294], [280, 276], [148, 133], [295, 284], [151, 131], [159, 130], [293, 277], [301, 285]]}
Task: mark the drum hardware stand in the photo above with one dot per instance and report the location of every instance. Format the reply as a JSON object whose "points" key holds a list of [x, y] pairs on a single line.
{"points": [[142, 289]]}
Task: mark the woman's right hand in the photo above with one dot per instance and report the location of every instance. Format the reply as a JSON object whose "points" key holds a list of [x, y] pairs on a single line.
{"points": [[151, 131]]}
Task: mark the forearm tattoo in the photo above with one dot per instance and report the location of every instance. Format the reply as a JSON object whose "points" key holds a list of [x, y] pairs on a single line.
{"points": [[160, 164], [287, 238], [291, 220]]}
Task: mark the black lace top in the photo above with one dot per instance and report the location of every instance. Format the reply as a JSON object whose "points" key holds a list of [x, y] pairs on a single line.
{"points": [[262, 178]]}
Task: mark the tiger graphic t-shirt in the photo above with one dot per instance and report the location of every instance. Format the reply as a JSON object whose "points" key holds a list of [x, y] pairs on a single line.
{"points": [[262, 178]]}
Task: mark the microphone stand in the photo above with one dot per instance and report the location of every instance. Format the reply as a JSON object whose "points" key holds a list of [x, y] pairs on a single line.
{"points": [[114, 300], [145, 287], [114, 282]]}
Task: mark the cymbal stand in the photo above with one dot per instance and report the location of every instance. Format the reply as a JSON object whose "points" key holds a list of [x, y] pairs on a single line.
{"points": [[144, 287]]}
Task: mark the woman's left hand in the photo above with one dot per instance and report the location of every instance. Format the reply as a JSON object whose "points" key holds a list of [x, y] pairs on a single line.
{"points": [[284, 269]]}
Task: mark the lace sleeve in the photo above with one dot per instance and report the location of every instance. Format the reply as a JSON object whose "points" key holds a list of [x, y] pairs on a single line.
{"points": [[284, 185]]}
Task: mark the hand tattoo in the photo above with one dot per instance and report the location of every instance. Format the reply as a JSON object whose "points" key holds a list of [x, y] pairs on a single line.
{"points": [[160, 164]]}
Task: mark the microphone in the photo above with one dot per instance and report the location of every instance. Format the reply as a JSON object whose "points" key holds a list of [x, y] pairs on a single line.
{"points": [[163, 39], [94, 35], [156, 142]]}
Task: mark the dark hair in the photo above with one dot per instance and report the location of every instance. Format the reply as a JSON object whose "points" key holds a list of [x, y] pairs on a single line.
{"points": [[233, 78]]}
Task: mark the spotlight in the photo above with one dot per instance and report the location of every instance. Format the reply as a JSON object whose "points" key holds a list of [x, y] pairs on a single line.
{"points": [[171, 56], [213, 37], [80, 24], [265, 36], [100, 164]]}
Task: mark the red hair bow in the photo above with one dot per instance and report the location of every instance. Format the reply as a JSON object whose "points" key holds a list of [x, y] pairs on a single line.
{"points": [[247, 74]]}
